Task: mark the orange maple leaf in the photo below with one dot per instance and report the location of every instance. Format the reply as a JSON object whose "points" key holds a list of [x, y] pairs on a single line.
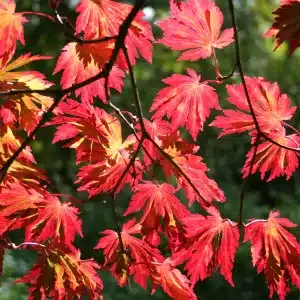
{"points": [[18, 206], [275, 252], [273, 159], [24, 109], [173, 282], [59, 273], [23, 169], [183, 154], [11, 29], [97, 138], [41, 213], [270, 107], [55, 220]]}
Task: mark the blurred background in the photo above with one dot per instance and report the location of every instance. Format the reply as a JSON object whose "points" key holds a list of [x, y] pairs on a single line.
{"points": [[225, 157]]}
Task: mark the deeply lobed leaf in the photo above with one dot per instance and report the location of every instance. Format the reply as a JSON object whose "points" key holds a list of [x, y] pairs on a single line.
{"points": [[59, 273], [211, 245], [275, 252], [194, 26], [186, 101], [286, 26]]}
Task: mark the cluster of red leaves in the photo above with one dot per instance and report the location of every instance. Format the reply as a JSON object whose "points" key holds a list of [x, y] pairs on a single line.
{"points": [[203, 244], [271, 109]]}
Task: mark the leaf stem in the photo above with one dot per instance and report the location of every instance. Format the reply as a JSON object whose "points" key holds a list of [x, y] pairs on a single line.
{"points": [[246, 183], [136, 96], [40, 14]]}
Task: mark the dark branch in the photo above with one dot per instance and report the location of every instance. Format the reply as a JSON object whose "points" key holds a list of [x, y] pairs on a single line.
{"points": [[242, 76]]}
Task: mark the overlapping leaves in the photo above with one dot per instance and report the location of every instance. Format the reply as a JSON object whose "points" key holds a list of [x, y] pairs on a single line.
{"points": [[96, 136], [271, 110], [203, 243]]}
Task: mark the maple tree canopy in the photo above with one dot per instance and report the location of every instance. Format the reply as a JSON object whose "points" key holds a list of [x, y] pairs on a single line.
{"points": [[158, 241]]}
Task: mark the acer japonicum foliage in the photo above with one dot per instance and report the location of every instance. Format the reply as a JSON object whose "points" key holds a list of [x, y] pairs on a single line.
{"points": [[107, 40]]}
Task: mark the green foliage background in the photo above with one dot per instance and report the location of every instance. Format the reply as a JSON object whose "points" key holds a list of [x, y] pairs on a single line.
{"points": [[225, 157]]}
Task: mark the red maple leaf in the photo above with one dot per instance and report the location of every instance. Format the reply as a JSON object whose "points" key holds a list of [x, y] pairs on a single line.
{"points": [[11, 28], [182, 153], [270, 107], [173, 282], [211, 244], [137, 258], [275, 252], [59, 273], [18, 207], [43, 215], [187, 101], [83, 61], [195, 27], [54, 220], [101, 18], [23, 109], [159, 202], [274, 159], [286, 26]]}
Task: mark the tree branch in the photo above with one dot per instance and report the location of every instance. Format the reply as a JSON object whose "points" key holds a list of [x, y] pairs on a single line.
{"points": [[246, 183], [61, 93], [9, 162], [242, 76]]}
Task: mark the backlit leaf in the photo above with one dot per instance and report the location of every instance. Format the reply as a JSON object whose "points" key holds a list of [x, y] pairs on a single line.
{"points": [[11, 28], [186, 101], [210, 246], [275, 252], [79, 62], [194, 27], [101, 18]]}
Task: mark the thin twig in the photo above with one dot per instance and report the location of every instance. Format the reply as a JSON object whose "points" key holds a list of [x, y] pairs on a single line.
{"points": [[174, 164], [61, 93], [126, 170], [136, 96], [40, 14], [246, 182], [145, 135], [291, 127], [255, 221], [77, 39], [216, 63], [13, 246]]}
